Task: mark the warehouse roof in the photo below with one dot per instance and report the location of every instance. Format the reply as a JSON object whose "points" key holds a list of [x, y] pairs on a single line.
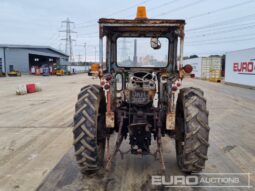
{"points": [[32, 47]]}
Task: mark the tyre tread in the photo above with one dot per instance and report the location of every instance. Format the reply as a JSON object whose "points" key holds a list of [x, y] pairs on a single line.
{"points": [[85, 127], [195, 140]]}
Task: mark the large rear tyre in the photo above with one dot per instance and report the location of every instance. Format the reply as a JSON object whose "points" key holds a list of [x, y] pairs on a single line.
{"points": [[192, 130], [89, 129]]}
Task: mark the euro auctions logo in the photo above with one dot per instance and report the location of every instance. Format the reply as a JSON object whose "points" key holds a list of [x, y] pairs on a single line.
{"points": [[247, 68], [213, 180]]}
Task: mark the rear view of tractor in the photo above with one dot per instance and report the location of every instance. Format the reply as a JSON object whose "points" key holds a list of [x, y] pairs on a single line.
{"points": [[136, 97]]}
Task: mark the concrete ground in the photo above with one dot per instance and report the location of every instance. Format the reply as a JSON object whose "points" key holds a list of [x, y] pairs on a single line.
{"points": [[35, 129], [35, 134]]}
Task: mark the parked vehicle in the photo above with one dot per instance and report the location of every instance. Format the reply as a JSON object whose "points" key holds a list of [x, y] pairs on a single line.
{"points": [[60, 72], [14, 73], [94, 68]]}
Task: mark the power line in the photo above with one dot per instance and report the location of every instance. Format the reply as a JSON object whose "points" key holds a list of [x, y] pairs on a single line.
{"points": [[189, 5], [89, 33], [52, 37], [128, 8], [181, 7], [226, 22], [154, 8], [116, 12], [163, 5], [221, 9], [68, 40], [223, 31], [158, 7], [218, 27], [92, 37], [223, 38], [221, 28], [202, 43], [85, 46]]}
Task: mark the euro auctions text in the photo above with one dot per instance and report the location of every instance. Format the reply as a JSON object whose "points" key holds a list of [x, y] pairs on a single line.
{"points": [[238, 180]]}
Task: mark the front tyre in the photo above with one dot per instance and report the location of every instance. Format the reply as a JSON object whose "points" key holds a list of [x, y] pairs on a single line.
{"points": [[89, 128], [192, 130]]}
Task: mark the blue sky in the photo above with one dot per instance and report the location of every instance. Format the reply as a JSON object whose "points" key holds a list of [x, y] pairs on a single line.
{"points": [[213, 26]]}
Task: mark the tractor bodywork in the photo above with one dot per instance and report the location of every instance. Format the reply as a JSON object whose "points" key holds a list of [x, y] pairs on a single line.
{"points": [[139, 96], [143, 102]]}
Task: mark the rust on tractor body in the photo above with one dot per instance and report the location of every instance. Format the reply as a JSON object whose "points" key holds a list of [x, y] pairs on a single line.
{"points": [[146, 26], [141, 72]]}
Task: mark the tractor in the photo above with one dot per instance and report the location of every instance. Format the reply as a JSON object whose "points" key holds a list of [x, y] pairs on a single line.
{"points": [[136, 97]]}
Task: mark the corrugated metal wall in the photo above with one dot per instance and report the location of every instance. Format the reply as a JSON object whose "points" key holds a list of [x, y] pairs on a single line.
{"points": [[19, 58], [2, 60], [211, 66]]}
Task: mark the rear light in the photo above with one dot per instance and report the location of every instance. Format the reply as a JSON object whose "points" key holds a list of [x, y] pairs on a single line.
{"points": [[174, 88], [108, 77], [188, 68], [102, 83], [106, 86]]}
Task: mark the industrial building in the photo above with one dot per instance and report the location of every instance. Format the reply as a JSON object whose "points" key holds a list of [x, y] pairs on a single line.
{"points": [[23, 57]]}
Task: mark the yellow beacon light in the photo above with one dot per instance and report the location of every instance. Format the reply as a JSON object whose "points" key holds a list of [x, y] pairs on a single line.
{"points": [[141, 12]]}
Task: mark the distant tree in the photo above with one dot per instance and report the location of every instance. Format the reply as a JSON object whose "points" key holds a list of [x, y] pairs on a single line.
{"points": [[215, 56], [194, 56]]}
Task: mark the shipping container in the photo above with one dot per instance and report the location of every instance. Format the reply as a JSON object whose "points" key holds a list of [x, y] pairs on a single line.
{"points": [[196, 64], [240, 67], [205, 67]]}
